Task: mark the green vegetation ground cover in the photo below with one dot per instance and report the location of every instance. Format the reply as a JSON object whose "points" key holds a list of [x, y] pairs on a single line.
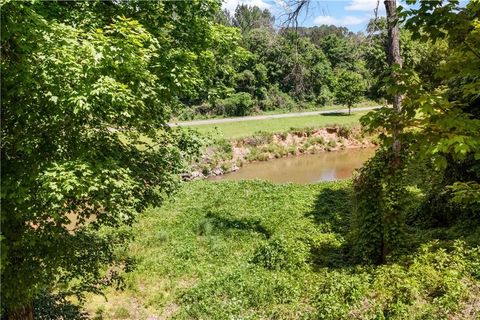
{"points": [[247, 128], [255, 250]]}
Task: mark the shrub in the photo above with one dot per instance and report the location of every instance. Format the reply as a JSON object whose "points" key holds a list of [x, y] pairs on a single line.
{"points": [[257, 155], [434, 285], [301, 132], [291, 150], [325, 97], [282, 135], [281, 254], [238, 104], [312, 141], [337, 292], [332, 143], [225, 167], [216, 152], [344, 132], [224, 146], [258, 139], [276, 99], [186, 113]]}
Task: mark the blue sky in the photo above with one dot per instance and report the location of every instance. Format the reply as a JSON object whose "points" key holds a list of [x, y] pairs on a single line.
{"points": [[353, 14]]}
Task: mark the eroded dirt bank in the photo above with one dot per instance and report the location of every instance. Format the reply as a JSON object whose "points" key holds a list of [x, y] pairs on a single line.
{"points": [[225, 156]]}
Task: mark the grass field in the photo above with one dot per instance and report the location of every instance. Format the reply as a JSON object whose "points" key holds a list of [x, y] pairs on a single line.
{"points": [[247, 128], [255, 250]]}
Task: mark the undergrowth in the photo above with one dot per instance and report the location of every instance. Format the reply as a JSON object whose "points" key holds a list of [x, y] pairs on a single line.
{"points": [[255, 250]]}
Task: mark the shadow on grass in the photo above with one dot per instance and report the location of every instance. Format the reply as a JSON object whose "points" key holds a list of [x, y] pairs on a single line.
{"points": [[333, 210], [336, 114], [48, 305], [224, 223], [332, 213]]}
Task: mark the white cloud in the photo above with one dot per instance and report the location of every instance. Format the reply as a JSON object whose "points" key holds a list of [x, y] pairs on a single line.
{"points": [[364, 5], [282, 4], [231, 5], [343, 21]]}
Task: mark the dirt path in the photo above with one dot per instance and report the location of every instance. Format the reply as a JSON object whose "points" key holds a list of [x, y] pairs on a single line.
{"points": [[272, 116]]}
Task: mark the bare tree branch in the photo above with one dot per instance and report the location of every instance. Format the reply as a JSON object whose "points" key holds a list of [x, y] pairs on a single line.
{"points": [[294, 9]]}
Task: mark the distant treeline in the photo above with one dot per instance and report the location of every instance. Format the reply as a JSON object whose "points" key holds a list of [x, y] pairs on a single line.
{"points": [[267, 67]]}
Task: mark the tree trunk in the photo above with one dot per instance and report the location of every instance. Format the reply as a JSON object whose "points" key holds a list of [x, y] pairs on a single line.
{"points": [[392, 217], [394, 58], [21, 313]]}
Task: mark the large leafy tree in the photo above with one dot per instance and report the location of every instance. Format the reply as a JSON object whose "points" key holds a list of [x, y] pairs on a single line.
{"points": [[86, 95], [199, 56], [448, 110], [306, 70]]}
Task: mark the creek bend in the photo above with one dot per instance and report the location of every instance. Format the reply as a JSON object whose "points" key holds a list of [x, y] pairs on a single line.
{"points": [[303, 169]]}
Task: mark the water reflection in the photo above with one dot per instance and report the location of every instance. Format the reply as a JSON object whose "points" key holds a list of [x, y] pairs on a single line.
{"points": [[325, 166]]}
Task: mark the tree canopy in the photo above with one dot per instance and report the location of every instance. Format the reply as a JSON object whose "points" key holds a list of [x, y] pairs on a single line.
{"points": [[439, 123], [87, 90]]}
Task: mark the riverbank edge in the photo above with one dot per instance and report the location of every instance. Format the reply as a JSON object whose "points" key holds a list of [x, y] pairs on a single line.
{"points": [[224, 156]]}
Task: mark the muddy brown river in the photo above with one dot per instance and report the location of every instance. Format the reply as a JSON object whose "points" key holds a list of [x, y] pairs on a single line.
{"points": [[326, 166]]}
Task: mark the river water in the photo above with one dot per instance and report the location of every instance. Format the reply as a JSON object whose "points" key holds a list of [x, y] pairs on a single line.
{"points": [[325, 166]]}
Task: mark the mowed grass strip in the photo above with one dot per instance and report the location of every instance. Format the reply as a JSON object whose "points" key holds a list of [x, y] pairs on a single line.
{"points": [[247, 128]]}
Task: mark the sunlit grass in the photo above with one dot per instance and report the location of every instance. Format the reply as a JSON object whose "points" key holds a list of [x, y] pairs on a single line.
{"points": [[247, 128]]}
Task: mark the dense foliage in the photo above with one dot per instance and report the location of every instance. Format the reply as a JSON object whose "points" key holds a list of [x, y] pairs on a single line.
{"points": [[285, 69], [440, 139], [257, 250], [87, 92]]}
